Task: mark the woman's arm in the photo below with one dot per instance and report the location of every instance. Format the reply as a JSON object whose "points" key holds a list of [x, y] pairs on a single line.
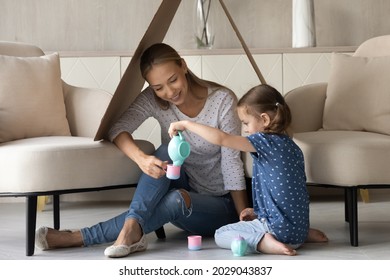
{"points": [[213, 135], [120, 133], [150, 165]]}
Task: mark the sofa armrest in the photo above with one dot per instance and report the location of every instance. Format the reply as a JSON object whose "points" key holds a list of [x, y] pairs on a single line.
{"points": [[84, 109], [307, 106]]}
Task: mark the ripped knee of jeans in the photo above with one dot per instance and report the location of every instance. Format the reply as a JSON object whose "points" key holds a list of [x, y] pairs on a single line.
{"points": [[178, 203], [185, 202]]}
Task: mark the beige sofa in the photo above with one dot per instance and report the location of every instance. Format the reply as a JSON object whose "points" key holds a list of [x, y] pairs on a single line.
{"points": [[47, 129], [343, 126]]}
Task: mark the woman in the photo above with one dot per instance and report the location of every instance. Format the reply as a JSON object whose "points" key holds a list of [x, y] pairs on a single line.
{"points": [[211, 190]]}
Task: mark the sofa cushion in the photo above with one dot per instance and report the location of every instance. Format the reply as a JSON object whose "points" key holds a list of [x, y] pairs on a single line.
{"points": [[345, 158], [31, 98], [65, 162], [358, 94]]}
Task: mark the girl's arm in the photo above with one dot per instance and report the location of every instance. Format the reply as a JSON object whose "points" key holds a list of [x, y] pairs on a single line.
{"points": [[213, 135], [248, 214]]}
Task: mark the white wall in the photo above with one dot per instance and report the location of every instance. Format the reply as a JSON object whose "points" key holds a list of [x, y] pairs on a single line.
{"points": [[118, 25]]}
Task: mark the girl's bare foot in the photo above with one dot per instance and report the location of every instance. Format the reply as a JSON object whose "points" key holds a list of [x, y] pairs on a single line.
{"points": [[269, 245], [316, 236]]}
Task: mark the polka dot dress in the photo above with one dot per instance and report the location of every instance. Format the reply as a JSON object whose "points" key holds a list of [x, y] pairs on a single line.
{"points": [[279, 186]]}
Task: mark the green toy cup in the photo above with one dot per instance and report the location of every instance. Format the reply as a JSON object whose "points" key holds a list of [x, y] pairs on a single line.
{"points": [[239, 246], [178, 149]]}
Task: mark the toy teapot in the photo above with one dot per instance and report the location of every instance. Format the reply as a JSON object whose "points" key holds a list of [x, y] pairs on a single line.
{"points": [[178, 149]]}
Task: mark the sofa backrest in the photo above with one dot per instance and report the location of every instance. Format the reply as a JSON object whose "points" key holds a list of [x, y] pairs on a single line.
{"points": [[19, 49], [378, 46]]}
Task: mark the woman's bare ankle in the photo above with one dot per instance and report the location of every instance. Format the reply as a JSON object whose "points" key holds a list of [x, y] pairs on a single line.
{"points": [[269, 245], [63, 238], [131, 233]]}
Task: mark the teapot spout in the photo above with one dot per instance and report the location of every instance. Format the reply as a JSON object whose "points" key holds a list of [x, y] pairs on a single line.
{"points": [[178, 163]]}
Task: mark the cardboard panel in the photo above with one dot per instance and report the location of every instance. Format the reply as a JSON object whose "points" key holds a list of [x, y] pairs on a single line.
{"points": [[243, 44], [132, 82]]}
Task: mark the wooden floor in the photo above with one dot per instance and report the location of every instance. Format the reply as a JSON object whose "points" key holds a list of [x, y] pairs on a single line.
{"points": [[374, 234]]}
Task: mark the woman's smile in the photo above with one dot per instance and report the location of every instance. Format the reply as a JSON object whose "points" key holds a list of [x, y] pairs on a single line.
{"points": [[175, 98]]}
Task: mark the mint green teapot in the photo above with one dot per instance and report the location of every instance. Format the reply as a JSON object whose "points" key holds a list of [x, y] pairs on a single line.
{"points": [[178, 149]]}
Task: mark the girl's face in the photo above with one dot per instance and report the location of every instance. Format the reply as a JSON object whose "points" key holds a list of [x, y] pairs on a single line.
{"points": [[169, 82], [252, 124]]}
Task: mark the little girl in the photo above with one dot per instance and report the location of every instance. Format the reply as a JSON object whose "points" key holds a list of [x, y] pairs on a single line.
{"points": [[278, 223]]}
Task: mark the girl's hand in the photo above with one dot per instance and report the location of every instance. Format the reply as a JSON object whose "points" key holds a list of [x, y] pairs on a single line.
{"points": [[248, 214], [175, 127]]}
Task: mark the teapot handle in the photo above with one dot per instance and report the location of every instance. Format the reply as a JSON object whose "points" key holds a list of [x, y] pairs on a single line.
{"points": [[180, 135]]}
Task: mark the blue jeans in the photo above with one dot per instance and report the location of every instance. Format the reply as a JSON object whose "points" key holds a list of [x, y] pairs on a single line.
{"points": [[251, 231], [159, 201]]}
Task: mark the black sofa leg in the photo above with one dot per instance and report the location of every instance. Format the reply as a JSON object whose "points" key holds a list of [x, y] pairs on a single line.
{"points": [[351, 196], [56, 211], [354, 219], [346, 205], [31, 220], [160, 233]]}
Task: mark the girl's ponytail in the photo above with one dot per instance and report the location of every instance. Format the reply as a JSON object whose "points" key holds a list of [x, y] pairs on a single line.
{"points": [[282, 119]]}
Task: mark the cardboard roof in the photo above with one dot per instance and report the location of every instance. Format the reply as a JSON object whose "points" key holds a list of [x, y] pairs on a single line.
{"points": [[132, 82]]}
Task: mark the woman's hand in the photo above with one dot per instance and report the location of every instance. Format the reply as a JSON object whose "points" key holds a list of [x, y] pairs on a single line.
{"points": [[248, 214], [175, 127], [149, 164], [153, 166]]}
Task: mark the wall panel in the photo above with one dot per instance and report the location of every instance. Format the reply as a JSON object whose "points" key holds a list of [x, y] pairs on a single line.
{"points": [[118, 25]]}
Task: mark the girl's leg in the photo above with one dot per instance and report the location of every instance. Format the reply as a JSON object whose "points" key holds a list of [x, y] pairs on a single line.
{"points": [[258, 236], [252, 231]]}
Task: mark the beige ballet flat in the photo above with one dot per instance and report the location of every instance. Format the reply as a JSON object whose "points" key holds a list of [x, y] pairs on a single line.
{"points": [[120, 251], [40, 238]]}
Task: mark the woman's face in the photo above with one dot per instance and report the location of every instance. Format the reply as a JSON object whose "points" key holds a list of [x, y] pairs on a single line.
{"points": [[169, 82]]}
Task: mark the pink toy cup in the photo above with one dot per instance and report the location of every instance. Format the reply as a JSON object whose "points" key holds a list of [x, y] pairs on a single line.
{"points": [[194, 242], [173, 171]]}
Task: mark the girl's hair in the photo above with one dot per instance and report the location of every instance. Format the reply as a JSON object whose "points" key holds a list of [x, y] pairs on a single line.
{"points": [[162, 53], [266, 99]]}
